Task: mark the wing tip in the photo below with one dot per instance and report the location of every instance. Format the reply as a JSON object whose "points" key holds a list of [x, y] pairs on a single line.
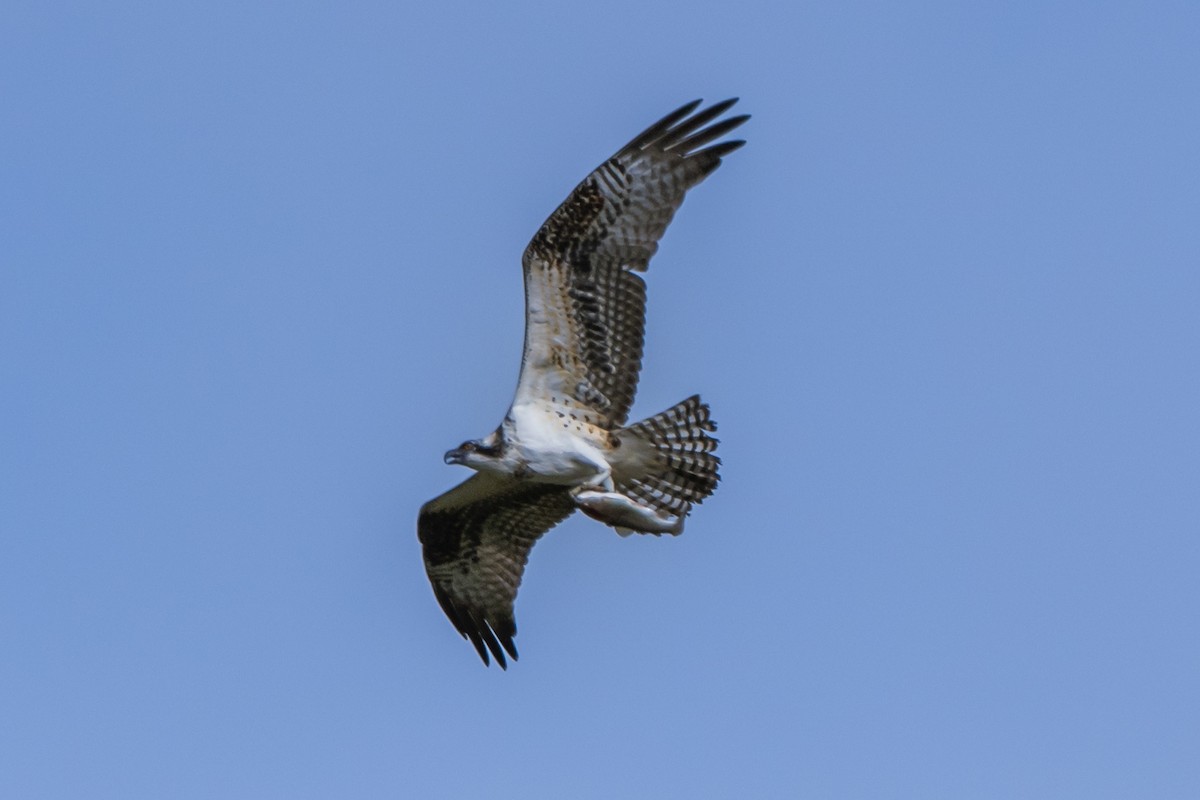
{"points": [[663, 126], [487, 640], [490, 638], [686, 129], [709, 158], [725, 148]]}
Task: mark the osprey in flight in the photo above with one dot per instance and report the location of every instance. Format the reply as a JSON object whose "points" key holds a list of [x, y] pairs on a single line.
{"points": [[564, 444]]}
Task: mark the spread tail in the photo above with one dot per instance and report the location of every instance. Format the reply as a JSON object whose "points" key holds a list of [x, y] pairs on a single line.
{"points": [[680, 468]]}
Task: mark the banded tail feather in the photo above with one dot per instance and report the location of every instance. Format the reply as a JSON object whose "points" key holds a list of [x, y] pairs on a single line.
{"points": [[687, 468]]}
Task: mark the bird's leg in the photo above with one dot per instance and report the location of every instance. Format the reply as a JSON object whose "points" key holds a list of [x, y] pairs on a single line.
{"points": [[606, 482], [602, 481]]}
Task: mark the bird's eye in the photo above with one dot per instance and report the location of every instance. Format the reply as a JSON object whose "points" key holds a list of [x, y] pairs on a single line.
{"points": [[468, 446]]}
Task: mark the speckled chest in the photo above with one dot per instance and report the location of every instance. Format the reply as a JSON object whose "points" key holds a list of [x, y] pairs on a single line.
{"points": [[556, 442]]}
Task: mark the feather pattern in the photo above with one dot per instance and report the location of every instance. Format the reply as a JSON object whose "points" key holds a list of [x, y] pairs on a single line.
{"points": [[476, 540], [585, 306], [688, 471]]}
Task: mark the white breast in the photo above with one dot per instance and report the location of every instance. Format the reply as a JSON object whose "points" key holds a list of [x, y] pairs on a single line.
{"points": [[552, 450]]}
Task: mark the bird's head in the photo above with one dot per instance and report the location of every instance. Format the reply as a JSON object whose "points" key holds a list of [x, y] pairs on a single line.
{"points": [[477, 453]]}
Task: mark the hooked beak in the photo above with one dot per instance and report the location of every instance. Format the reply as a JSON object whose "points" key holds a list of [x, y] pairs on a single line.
{"points": [[454, 456]]}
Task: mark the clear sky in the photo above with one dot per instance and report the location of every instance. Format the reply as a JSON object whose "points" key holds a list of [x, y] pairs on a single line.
{"points": [[260, 269]]}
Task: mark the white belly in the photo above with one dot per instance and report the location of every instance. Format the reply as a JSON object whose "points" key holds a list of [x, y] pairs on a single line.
{"points": [[552, 451]]}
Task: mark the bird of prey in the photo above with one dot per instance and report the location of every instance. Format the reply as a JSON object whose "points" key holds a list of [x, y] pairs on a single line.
{"points": [[564, 444]]}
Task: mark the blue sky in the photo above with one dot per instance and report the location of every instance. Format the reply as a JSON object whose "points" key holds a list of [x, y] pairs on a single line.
{"points": [[260, 268]]}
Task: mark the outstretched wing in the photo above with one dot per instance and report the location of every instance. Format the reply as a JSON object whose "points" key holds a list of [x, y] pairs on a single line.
{"points": [[476, 539], [584, 306]]}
